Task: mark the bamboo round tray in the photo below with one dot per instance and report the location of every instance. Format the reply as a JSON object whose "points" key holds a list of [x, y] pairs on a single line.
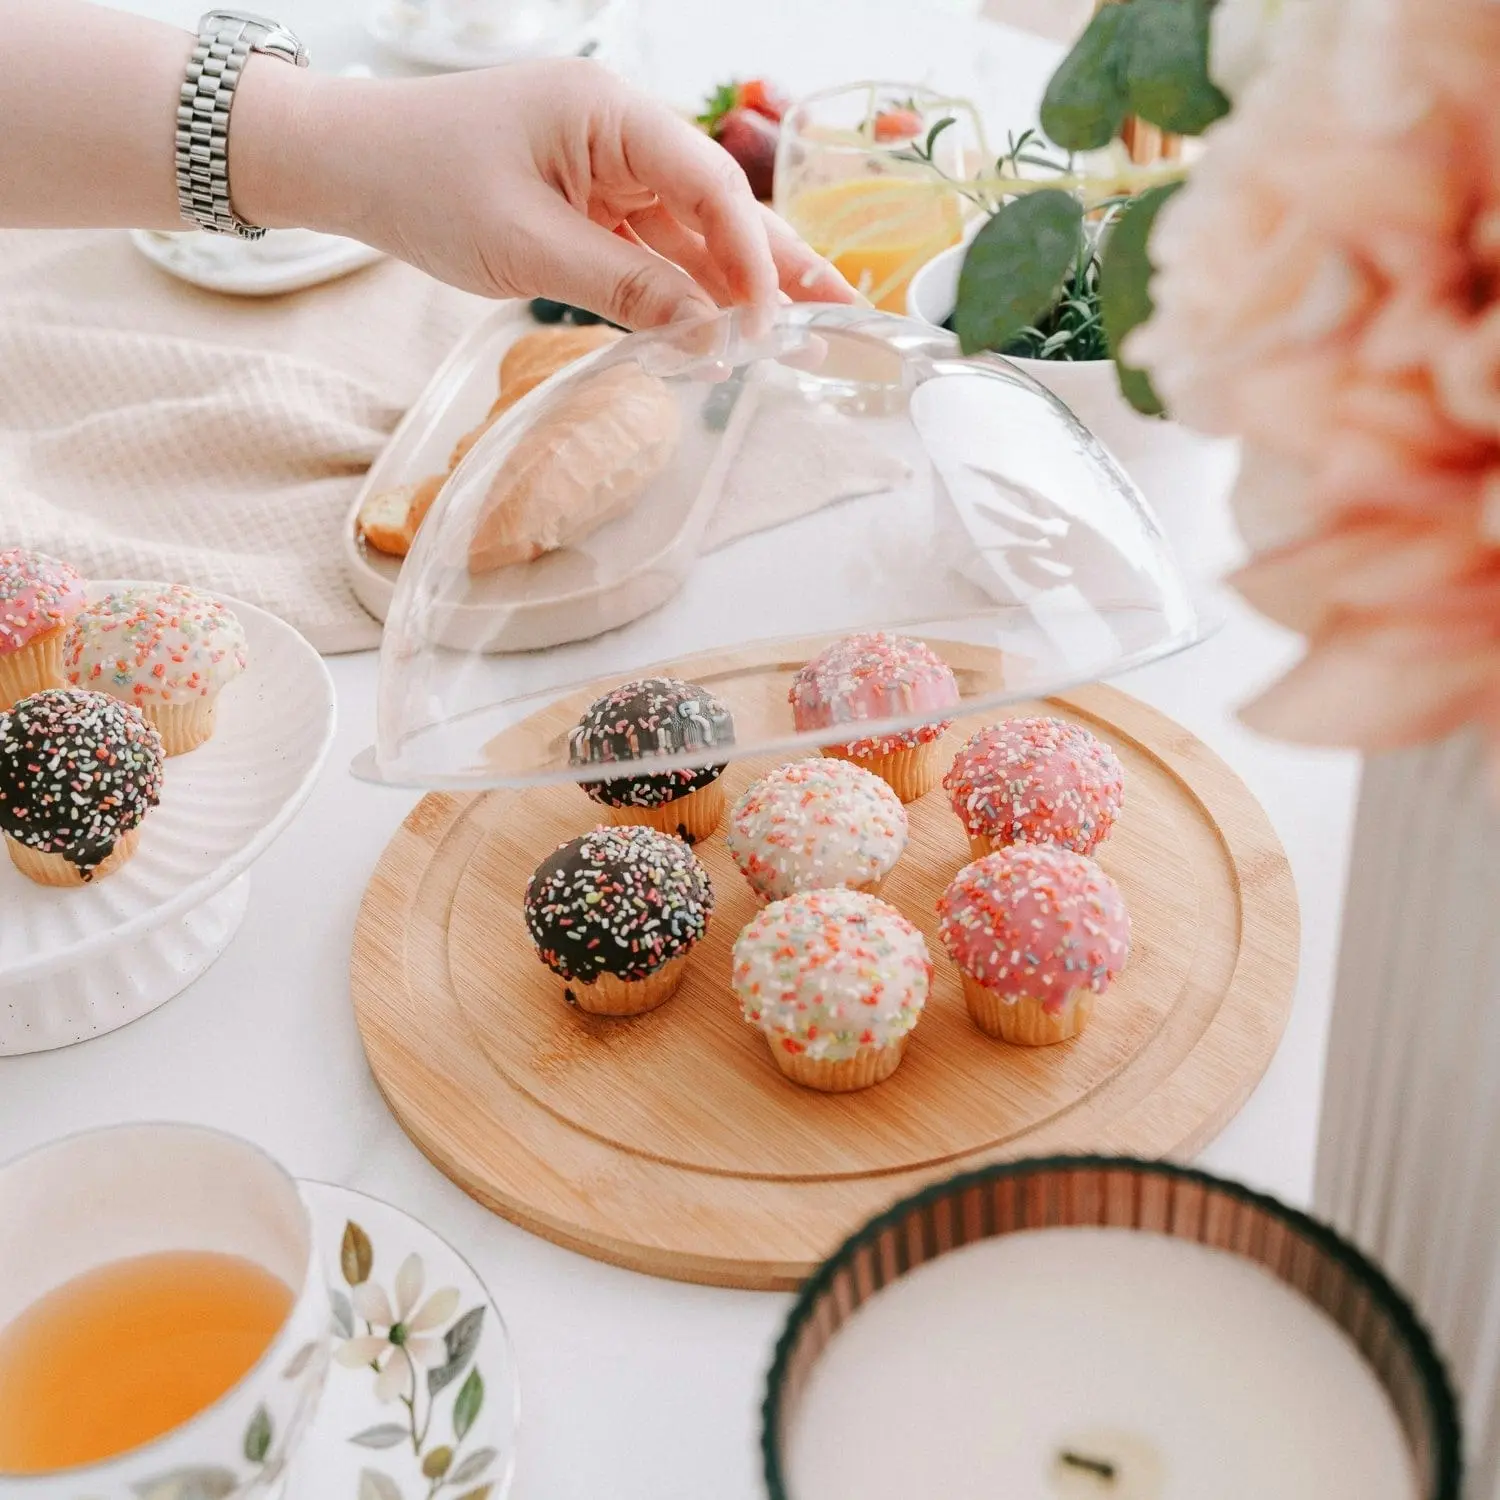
{"points": [[670, 1142]]}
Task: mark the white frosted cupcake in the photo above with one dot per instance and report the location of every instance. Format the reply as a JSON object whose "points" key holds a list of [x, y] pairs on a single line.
{"points": [[816, 824], [836, 980], [167, 649]]}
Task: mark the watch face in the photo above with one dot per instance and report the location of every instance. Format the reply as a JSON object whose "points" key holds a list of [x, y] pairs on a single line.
{"points": [[277, 38]]}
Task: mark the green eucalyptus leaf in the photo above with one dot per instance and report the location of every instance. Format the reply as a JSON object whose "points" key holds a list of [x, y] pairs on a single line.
{"points": [[373, 1485], [1166, 72], [343, 1313], [258, 1436], [482, 1493], [385, 1435], [356, 1254], [193, 1483], [1125, 288], [1085, 103], [1016, 267], [466, 1405], [459, 1343], [474, 1465]]}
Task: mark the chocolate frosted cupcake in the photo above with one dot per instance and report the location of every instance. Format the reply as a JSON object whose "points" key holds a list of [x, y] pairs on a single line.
{"points": [[656, 716], [615, 914], [78, 773]]}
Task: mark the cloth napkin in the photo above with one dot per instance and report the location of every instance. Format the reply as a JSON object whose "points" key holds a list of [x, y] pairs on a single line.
{"points": [[152, 430]]}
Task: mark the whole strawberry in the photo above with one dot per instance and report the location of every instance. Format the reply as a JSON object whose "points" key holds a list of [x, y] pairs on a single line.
{"points": [[744, 118]]}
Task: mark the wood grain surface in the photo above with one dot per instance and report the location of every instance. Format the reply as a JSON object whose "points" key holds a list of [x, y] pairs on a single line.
{"points": [[670, 1142]]}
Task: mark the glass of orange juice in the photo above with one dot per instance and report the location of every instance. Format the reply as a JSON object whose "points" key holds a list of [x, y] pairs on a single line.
{"points": [[878, 177], [164, 1320]]}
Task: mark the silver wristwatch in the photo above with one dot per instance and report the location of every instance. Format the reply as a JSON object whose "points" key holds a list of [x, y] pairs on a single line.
{"points": [[226, 38]]}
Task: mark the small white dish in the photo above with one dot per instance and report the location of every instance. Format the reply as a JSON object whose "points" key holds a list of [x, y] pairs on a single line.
{"points": [[456, 1440], [461, 34], [285, 260], [77, 963]]}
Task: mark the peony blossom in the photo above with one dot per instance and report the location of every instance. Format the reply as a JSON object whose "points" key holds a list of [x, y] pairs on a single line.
{"points": [[1328, 289]]}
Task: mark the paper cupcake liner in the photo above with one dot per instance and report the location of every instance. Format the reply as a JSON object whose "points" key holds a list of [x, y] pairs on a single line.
{"points": [[693, 818], [56, 870], [1024, 1022], [610, 996], [37, 665], [869, 887], [910, 772], [1152, 1198], [868, 1066], [182, 726]]}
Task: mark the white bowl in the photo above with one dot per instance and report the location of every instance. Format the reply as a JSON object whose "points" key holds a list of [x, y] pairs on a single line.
{"points": [[76, 963], [1184, 476]]}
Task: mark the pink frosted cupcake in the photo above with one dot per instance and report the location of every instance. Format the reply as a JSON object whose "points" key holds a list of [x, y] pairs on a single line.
{"points": [[39, 597], [167, 649], [879, 676], [1038, 934], [1036, 781]]}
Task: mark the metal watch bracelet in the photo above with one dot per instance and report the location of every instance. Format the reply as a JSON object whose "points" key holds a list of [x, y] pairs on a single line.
{"points": [[226, 41]]}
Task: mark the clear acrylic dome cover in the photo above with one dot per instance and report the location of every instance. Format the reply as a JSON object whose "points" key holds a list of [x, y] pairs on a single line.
{"points": [[721, 500]]}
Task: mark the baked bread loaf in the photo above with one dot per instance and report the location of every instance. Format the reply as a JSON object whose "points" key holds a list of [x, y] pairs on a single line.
{"points": [[584, 462], [388, 520], [533, 358]]}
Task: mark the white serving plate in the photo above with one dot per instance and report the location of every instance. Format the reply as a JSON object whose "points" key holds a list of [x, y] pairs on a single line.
{"points": [[79, 962], [254, 268]]}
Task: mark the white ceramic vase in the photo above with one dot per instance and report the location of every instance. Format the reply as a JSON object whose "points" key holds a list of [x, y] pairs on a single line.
{"points": [[1184, 476], [1409, 1146]]}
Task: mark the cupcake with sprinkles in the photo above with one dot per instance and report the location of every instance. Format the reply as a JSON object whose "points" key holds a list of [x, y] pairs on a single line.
{"points": [[167, 649], [816, 824], [615, 914], [836, 980], [78, 774], [1039, 934], [39, 598], [656, 716], [1036, 781], [879, 676]]}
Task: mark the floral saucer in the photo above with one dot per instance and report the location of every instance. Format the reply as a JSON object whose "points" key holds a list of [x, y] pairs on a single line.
{"points": [[422, 1401]]}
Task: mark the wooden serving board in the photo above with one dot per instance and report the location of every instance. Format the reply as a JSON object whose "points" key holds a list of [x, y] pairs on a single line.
{"points": [[670, 1143]]}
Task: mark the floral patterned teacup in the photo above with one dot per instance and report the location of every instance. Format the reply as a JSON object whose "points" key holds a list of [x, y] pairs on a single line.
{"points": [[133, 1190]]}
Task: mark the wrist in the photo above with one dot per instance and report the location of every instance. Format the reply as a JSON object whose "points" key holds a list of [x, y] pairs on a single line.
{"points": [[270, 162]]}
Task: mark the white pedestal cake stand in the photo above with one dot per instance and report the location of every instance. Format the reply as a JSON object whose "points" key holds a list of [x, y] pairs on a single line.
{"points": [[80, 962]]}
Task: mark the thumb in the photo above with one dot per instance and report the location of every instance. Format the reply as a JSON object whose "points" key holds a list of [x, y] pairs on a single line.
{"points": [[585, 265]]}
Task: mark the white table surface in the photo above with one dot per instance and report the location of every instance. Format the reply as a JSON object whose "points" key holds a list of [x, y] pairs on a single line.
{"points": [[633, 1388]]}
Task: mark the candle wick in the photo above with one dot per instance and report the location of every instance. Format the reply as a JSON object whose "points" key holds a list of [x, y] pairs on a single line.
{"points": [[1089, 1465]]}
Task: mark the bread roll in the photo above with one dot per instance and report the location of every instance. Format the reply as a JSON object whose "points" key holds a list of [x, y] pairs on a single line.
{"points": [[383, 520], [534, 357], [585, 461]]}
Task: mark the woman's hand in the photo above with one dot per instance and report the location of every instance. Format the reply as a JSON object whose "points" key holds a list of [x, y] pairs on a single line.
{"points": [[540, 179]]}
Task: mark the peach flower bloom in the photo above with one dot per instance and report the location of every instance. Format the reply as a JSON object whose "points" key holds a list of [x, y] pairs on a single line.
{"points": [[1329, 290]]}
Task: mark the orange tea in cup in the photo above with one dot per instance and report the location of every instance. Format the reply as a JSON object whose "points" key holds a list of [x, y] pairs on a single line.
{"points": [[130, 1350]]}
